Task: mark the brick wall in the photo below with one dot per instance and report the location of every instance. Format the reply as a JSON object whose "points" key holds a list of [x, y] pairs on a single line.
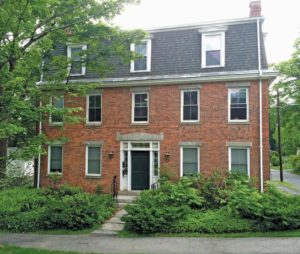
{"points": [[213, 131]]}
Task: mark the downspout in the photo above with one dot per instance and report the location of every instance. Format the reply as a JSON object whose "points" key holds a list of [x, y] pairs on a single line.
{"points": [[261, 160], [40, 132]]}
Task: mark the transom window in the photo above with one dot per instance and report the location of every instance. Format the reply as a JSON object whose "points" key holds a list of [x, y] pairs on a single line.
{"points": [[189, 161], [77, 58], [238, 104], [143, 52], [190, 106], [55, 158], [57, 103], [94, 109], [213, 50], [239, 160], [93, 160], [140, 108]]}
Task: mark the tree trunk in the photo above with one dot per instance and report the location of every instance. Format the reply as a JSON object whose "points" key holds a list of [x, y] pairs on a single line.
{"points": [[3, 157]]}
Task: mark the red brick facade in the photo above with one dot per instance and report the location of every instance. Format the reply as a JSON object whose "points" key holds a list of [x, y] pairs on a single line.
{"points": [[213, 131]]}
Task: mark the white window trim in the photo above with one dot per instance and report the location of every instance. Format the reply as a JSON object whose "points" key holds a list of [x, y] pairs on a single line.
{"points": [[182, 103], [49, 159], [69, 53], [149, 50], [229, 104], [87, 110], [248, 157], [203, 49], [181, 158], [133, 104], [50, 115], [87, 160]]}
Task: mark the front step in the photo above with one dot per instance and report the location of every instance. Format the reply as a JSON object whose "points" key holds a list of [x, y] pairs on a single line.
{"points": [[129, 193]]}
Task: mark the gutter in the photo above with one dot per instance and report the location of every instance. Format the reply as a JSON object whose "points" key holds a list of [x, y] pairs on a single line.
{"points": [[261, 158]]}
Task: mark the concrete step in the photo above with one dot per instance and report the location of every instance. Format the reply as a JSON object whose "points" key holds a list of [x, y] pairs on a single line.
{"points": [[116, 219], [104, 233], [126, 198], [120, 213], [122, 205], [112, 226], [129, 193]]}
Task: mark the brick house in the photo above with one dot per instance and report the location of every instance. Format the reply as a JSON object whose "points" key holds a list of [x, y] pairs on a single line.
{"points": [[197, 101]]}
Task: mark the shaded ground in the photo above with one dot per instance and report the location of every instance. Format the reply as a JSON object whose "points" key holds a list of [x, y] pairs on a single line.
{"points": [[157, 245], [292, 179]]}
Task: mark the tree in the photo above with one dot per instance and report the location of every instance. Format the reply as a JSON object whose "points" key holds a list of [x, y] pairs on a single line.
{"points": [[30, 30], [289, 87]]}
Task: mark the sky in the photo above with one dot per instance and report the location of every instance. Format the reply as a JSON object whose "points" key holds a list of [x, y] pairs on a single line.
{"points": [[282, 18]]}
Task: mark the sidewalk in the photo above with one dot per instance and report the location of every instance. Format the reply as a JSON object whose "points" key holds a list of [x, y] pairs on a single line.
{"points": [[158, 245]]}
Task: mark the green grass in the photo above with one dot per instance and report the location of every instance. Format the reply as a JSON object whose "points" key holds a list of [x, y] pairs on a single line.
{"points": [[292, 233], [284, 184], [5, 249]]}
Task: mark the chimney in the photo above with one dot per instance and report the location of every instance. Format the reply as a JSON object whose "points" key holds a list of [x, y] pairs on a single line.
{"points": [[255, 9]]}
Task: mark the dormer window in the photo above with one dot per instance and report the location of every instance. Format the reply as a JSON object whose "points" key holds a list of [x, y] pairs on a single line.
{"points": [[77, 58], [143, 50], [213, 47]]}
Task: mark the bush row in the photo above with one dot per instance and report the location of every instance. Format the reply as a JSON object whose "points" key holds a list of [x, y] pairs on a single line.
{"points": [[24, 209]]}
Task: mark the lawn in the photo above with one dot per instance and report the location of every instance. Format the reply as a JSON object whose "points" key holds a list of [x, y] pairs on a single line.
{"points": [[4, 249]]}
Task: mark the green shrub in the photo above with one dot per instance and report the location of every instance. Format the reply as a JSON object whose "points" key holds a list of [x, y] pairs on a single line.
{"points": [[16, 181], [156, 210], [24, 210], [295, 162], [274, 159], [213, 221]]}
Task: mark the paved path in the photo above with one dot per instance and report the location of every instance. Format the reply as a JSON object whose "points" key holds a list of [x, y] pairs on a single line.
{"points": [[158, 245], [287, 177]]}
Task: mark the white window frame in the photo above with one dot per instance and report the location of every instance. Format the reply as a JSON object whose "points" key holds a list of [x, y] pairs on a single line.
{"points": [[149, 50], [69, 55], [203, 47], [133, 105], [87, 109], [181, 158], [49, 159], [50, 115], [229, 104], [87, 160], [182, 104], [248, 157]]}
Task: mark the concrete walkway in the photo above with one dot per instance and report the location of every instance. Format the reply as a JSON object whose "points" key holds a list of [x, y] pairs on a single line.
{"points": [[289, 178], [158, 245]]}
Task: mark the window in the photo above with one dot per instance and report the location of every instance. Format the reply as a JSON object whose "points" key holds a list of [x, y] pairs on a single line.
{"points": [[238, 105], [155, 163], [143, 50], [77, 66], [140, 108], [190, 106], [213, 50], [58, 103], [189, 161], [93, 160], [94, 108], [239, 160], [55, 159]]}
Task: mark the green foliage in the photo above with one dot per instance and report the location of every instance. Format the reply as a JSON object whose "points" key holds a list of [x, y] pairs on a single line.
{"points": [[155, 211], [212, 221], [274, 158], [295, 162], [16, 181], [24, 210]]}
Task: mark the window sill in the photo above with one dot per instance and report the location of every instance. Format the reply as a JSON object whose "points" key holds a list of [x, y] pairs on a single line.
{"points": [[190, 123], [233, 123], [139, 124], [141, 71], [213, 66], [90, 124], [54, 173], [93, 177], [55, 124]]}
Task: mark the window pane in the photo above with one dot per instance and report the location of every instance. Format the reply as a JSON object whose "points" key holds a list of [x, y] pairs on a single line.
{"points": [[141, 107], [94, 160], [213, 42], [76, 65], [141, 48], [141, 63], [238, 106], [58, 103], [239, 161], [190, 105], [190, 161], [55, 159], [155, 164], [94, 108], [213, 57]]}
